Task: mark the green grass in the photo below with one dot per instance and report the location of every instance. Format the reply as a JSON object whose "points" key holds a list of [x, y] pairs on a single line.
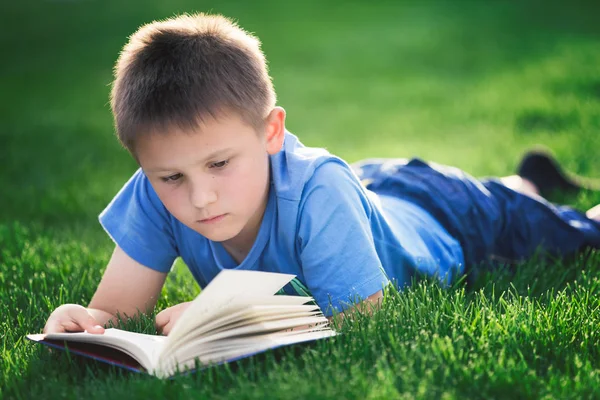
{"points": [[471, 84]]}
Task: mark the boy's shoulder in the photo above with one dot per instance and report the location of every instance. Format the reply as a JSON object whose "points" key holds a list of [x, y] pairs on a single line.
{"points": [[296, 166]]}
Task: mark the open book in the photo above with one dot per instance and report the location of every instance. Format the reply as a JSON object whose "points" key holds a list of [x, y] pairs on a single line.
{"points": [[235, 316]]}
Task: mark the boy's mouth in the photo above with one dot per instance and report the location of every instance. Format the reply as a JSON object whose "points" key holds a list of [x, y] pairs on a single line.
{"points": [[212, 220]]}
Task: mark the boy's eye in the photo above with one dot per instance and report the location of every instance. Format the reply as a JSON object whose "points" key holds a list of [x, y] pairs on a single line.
{"points": [[219, 164], [171, 178]]}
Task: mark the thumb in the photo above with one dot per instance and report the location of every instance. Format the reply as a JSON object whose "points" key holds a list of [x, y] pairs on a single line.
{"points": [[82, 317], [162, 319]]}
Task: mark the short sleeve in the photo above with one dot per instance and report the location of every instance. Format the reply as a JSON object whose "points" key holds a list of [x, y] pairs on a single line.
{"points": [[138, 223], [339, 260]]}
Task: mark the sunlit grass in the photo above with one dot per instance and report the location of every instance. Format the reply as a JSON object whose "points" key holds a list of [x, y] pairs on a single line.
{"points": [[472, 84]]}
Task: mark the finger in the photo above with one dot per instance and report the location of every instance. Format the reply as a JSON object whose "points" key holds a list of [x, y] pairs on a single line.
{"points": [[158, 327], [162, 318], [85, 320], [167, 328], [53, 326], [57, 325], [97, 329]]}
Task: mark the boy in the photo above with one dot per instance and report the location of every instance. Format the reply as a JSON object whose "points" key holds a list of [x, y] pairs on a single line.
{"points": [[223, 185]]}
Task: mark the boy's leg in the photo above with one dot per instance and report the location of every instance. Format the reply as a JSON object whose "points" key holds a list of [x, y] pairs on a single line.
{"points": [[539, 176], [594, 213], [490, 220], [530, 223], [520, 184], [539, 168], [525, 186]]}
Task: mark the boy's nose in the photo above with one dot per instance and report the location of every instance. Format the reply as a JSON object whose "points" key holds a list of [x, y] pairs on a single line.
{"points": [[202, 195]]}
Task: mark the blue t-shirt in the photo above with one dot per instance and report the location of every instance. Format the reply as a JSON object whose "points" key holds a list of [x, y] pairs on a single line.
{"points": [[342, 241]]}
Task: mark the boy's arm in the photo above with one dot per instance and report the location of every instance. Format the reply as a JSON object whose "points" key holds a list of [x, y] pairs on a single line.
{"points": [[127, 287], [368, 306], [336, 242]]}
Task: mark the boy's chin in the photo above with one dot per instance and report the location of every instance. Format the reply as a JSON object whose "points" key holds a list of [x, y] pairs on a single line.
{"points": [[217, 234]]}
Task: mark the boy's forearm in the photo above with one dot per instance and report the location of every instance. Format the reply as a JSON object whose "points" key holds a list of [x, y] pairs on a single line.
{"points": [[102, 317], [368, 306]]}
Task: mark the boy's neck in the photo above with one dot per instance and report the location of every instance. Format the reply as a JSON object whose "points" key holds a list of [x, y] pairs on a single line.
{"points": [[239, 255], [239, 247]]}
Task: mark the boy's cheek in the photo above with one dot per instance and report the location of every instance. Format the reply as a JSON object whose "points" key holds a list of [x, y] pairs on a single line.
{"points": [[173, 200]]}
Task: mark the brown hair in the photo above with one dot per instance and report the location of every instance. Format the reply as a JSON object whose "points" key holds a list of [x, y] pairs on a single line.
{"points": [[182, 70]]}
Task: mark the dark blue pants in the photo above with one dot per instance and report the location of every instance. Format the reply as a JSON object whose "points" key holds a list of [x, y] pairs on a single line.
{"points": [[492, 222]]}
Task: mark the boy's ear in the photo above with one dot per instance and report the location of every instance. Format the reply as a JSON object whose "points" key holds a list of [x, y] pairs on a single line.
{"points": [[275, 130]]}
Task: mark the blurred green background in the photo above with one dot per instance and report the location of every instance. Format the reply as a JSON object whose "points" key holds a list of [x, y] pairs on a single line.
{"points": [[466, 83]]}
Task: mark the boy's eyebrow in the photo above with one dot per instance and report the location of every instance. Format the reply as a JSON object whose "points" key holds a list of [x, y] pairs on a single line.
{"points": [[207, 158]]}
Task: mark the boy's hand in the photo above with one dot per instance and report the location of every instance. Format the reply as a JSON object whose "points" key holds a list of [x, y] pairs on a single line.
{"points": [[167, 317], [72, 318]]}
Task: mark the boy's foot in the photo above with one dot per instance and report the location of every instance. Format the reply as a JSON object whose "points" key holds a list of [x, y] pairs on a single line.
{"points": [[541, 168]]}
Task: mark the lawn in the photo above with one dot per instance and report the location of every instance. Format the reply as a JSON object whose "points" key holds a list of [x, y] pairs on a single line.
{"points": [[471, 84]]}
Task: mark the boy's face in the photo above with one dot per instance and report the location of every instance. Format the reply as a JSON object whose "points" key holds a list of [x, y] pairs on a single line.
{"points": [[215, 179]]}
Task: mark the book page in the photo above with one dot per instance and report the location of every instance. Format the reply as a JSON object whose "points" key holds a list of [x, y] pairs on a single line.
{"points": [[190, 349], [223, 319], [228, 288], [246, 341], [253, 314], [261, 327], [251, 347], [144, 348], [192, 338]]}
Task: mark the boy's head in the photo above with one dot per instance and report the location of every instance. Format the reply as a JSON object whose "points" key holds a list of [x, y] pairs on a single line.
{"points": [[178, 73], [193, 102]]}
